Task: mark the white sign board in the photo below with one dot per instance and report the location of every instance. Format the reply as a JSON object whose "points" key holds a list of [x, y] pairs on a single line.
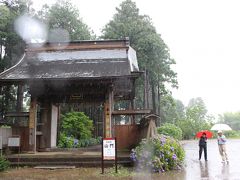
{"points": [[0, 142], [109, 149], [14, 142]]}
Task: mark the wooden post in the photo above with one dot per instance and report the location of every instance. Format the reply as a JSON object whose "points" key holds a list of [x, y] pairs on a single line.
{"points": [[54, 121], [19, 98], [108, 108], [132, 106], [32, 125], [152, 129]]}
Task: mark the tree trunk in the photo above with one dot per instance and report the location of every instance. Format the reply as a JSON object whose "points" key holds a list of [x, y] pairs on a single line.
{"points": [[153, 98]]}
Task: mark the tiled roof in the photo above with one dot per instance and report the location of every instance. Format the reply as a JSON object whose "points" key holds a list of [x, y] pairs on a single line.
{"points": [[77, 60]]}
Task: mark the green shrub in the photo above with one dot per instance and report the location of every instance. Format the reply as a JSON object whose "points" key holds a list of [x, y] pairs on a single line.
{"points": [[232, 134], [76, 131], [70, 142], [158, 154], [65, 141], [88, 142], [170, 130], [4, 163], [77, 125], [189, 127]]}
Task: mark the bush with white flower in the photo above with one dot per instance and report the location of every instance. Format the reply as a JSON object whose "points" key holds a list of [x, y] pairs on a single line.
{"points": [[158, 154]]}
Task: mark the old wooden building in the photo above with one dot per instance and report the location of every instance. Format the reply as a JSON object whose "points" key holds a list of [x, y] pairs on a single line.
{"points": [[91, 73]]}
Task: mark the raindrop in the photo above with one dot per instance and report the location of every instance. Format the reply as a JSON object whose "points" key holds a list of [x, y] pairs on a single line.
{"points": [[30, 29], [58, 38]]}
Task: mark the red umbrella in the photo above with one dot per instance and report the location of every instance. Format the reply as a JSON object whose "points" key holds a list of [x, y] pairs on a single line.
{"points": [[209, 134]]}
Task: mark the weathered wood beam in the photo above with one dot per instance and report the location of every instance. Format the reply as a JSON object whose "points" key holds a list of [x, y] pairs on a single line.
{"points": [[32, 124], [110, 44], [132, 112], [17, 114], [108, 106]]}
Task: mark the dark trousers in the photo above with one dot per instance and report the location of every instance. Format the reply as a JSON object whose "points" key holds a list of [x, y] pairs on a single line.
{"points": [[203, 148]]}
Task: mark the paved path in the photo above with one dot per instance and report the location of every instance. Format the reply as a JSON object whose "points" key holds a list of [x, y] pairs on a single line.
{"points": [[213, 169]]}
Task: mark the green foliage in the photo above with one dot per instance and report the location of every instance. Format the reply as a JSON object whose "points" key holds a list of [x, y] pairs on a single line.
{"points": [[170, 130], [232, 134], [77, 125], [187, 127], [232, 119], [65, 141], [158, 154], [171, 109], [89, 142], [190, 119], [123, 172], [4, 163], [190, 127], [196, 119], [153, 54], [196, 109], [76, 131], [70, 142], [64, 15], [11, 47]]}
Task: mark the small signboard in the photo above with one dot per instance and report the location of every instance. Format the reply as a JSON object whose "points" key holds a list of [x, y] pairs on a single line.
{"points": [[1, 142], [14, 142], [109, 149]]}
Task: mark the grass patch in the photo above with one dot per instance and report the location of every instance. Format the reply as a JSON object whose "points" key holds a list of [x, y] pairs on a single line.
{"points": [[122, 172]]}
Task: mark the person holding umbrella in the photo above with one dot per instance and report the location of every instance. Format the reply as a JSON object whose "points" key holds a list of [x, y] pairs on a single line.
{"points": [[222, 146], [203, 146]]}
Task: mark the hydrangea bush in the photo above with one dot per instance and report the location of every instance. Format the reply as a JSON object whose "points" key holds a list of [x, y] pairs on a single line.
{"points": [[158, 154], [71, 142]]}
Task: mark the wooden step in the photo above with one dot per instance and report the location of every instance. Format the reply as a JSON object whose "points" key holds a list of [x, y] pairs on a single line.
{"points": [[78, 162]]}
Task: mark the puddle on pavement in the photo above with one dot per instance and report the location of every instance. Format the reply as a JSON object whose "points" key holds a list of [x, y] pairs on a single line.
{"points": [[213, 169]]}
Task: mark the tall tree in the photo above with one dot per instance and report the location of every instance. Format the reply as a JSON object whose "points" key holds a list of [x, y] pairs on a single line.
{"points": [[172, 110], [11, 47], [232, 119], [153, 54], [180, 108], [64, 15], [196, 110], [196, 118]]}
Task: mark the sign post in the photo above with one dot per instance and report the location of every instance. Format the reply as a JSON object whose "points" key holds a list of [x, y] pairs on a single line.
{"points": [[109, 151], [14, 141]]}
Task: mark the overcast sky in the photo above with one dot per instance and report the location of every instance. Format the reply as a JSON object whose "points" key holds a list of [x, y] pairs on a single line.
{"points": [[203, 37]]}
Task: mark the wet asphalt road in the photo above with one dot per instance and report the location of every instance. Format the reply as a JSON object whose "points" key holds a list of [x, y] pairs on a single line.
{"points": [[213, 169]]}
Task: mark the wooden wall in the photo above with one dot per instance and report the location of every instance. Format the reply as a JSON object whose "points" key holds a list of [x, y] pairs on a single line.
{"points": [[5, 133], [128, 136], [23, 132]]}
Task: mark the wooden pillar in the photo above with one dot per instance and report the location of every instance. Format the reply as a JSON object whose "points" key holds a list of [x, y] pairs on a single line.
{"points": [[19, 98], [132, 103], [108, 108], [54, 122], [32, 124], [44, 139]]}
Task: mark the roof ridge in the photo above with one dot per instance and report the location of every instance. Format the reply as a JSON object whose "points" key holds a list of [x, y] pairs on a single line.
{"points": [[78, 45], [13, 67]]}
